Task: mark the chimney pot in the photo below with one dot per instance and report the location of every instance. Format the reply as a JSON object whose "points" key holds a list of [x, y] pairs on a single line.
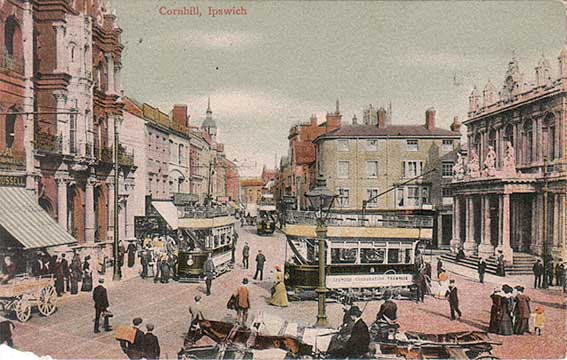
{"points": [[381, 118]]}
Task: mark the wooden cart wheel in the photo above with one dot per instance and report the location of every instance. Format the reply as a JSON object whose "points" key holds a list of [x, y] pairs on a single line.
{"points": [[47, 300], [23, 310]]}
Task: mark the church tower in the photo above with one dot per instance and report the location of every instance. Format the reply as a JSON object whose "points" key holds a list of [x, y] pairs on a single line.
{"points": [[209, 124]]}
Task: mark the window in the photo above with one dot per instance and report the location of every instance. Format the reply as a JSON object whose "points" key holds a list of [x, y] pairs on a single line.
{"points": [[73, 132], [343, 256], [181, 157], [447, 192], [424, 196], [413, 199], [10, 130], [372, 256], [447, 169], [372, 169], [371, 194], [447, 145], [400, 200], [342, 170], [371, 145], [412, 169], [342, 145], [411, 145], [549, 137], [10, 30], [343, 198], [528, 142], [394, 256]]}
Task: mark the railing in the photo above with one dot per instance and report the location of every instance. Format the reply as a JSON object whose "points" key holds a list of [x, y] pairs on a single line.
{"points": [[125, 158], [368, 220], [48, 142], [12, 157], [202, 212], [12, 63]]}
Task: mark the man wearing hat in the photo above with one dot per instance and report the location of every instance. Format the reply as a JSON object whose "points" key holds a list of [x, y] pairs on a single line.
{"points": [[100, 298], [209, 270], [151, 344], [242, 302], [357, 345], [134, 350], [453, 297]]}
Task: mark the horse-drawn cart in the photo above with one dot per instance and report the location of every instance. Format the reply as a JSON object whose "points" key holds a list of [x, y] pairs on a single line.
{"points": [[21, 294]]}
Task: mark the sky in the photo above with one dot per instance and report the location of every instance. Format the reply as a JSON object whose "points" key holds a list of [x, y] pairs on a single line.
{"points": [[283, 61]]}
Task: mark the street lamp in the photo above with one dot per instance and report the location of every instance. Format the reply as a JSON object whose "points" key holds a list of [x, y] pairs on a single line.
{"points": [[321, 200]]}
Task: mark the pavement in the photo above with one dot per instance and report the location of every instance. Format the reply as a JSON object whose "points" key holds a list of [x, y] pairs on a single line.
{"points": [[68, 334]]}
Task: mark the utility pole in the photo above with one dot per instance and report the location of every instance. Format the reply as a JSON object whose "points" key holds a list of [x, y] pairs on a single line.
{"points": [[117, 275]]}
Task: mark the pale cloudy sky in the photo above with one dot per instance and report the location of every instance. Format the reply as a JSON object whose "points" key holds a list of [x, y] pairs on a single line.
{"points": [[286, 60]]}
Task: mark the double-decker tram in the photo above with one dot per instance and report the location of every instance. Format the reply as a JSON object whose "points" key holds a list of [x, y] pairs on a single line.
{"points": [[365, 255], [190, 232], [267, 215]]}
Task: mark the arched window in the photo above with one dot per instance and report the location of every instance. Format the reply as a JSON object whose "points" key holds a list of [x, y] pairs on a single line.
{"points": [[10, 32], [10, 130], [477, 145], [527, 148], [549, 137], [509, 134]]}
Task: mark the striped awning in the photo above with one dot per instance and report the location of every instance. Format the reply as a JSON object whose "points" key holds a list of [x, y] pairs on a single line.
{"points": [[27, 222]]}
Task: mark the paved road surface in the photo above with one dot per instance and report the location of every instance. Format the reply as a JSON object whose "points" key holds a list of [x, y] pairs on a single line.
{"points": [[69, 332]]}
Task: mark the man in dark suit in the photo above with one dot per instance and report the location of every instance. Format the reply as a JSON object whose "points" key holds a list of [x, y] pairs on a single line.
{"points": [[245, 255], [100, 298], [421, 283], [260, 260], [134, 350], [209, 270], [481, 270], [453, 298], [356, 346], [66, 272], [151, 344], [538, 273]]}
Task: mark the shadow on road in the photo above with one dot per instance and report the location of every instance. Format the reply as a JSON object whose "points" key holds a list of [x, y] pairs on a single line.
{"points": [[472, 323]]}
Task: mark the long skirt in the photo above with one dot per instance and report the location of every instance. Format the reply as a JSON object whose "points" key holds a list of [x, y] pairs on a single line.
{"points": [[521, 326], [506, 327], [60, 285], [131, 258], [74, 285], [280, 296], [164, 272], [87, 283]]}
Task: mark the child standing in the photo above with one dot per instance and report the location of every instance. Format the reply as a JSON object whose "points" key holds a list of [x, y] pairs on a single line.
{"points": [[539, 320]]}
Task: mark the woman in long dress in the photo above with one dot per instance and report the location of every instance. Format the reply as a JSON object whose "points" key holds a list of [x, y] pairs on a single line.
{"points": [[87, 284], [279, 297], [507, 304]]}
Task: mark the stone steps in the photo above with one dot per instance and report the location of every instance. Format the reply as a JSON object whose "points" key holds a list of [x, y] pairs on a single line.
{"points": [[521, 265]]}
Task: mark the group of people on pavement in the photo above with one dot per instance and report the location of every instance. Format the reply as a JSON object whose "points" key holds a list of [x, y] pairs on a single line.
{"points": [[547, 273], [141, 345], [511, 312], [67, 275]]}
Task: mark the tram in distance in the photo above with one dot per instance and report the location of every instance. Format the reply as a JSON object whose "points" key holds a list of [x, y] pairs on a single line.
{"points": [[267, 215], [366, 255]]}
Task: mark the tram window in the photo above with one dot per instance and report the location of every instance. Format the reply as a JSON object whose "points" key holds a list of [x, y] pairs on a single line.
{"points": [[394, 256], [216, 240], [408, 256], [372, 256], [343, 256]]}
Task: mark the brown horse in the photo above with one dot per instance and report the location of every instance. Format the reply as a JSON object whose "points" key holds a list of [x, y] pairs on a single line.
{"points": [[220, 332]]}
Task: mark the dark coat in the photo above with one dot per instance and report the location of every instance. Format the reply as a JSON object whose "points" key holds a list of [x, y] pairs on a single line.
{"points": [[131, 254], [538, 269], [388, 309], [357, 345], [481, 267], [65, 267], [151, 346], [260, 260], [452, 295], [100, 298], [246, 250]]}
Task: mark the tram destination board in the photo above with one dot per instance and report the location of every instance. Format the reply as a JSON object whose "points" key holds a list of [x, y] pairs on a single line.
{"points": [[368, 280]]}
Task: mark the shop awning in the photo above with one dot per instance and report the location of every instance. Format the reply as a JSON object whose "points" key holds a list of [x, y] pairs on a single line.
{"points": [[168, 212], [27, 222]]}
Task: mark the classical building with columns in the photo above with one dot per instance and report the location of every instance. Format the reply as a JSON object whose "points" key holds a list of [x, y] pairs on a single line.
{"points": [[509, 196]]}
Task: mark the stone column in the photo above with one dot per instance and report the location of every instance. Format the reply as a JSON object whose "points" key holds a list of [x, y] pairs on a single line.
{"points": [[62, 120], [470, 246], [62, 202], [89, 211], [110, 73], [485, 248], [118, 78], [504, 241], [61, 59], [562, 225], [456, 240], [110, 185]]}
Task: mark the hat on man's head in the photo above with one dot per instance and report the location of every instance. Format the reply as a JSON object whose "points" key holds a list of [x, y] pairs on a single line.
{"points": [[101, 280], [150, 326], [197, 297], [452, 281], [355, 311], [137, 321], [245, 281]]}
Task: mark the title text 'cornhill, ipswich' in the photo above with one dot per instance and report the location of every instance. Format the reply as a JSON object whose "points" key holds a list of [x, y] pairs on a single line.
{"points": [[196, 11]]}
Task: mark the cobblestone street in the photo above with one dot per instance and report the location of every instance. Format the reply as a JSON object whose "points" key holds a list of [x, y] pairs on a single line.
{"points": [[69, 332]]}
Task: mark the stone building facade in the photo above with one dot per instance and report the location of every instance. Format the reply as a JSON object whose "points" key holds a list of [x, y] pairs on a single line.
{"points": [[510, 195], [362, 161]]}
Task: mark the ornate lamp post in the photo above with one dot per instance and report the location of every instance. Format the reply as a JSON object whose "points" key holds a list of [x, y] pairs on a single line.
{"points": [[321, 200]]}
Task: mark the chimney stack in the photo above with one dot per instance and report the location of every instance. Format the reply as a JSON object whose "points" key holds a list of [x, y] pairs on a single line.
{"points": [[179, 115], [313, 120], [430, 118], [354, 120], [381, 118], [456, 125]]}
